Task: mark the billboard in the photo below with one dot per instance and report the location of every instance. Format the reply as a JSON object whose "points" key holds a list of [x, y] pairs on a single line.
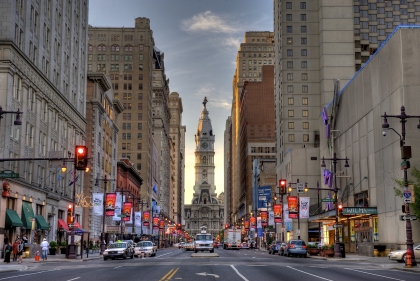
{"points": [[264, 196]]}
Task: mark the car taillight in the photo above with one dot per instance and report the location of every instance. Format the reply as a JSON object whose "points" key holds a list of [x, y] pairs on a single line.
{"points": [[292, 246], [304, 247]]}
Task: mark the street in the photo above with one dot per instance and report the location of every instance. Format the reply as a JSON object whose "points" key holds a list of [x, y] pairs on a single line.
{"points": [[240, 265]]}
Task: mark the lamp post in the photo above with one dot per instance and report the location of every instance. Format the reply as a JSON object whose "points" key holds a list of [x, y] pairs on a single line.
{"points": [[122, 222], [405, 155], [337, 252], [298, 206], [105, 180], [18, 113]]}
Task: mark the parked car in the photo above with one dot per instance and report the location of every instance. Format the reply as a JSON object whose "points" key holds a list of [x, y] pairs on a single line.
{"points": [[399, 255], [118, 250], [273, 248], [189, 246], [146, 247], [245, 245], [296, 247], [281, 248], [181, 245], [215, 244]]}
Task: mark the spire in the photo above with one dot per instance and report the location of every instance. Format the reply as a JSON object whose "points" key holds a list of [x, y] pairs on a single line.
{"points": [[205, 101], [204, 124]]}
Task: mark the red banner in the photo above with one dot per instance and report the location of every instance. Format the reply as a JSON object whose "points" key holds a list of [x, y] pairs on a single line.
{"points": [[246, 225], [110, 204], [264, 218], [155, 223], [161, 224], [127, 210], [253, 222], [292, 202], [277, 213], [146, 218]]}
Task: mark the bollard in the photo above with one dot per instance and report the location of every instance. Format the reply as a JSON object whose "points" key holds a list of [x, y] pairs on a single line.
{"points": [[408, 263]]}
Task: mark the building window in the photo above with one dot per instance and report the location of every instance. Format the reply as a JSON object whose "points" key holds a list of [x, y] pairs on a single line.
{"points": [[290, 76], [305, 138], [290, 101], [303, 29], [288, 5], [304, 101], [304, 64], [290, 41], [304, 88], [303, 17], [290, 89], [139, 146], [139, 136], [289, 64], [304, 52], [291, 137], [305, 113], [289, 17], [289, 29], [305, 125], [139, 126], [291, 113], [291, 125], [290, 53], [303, 5], [303, 41], [304, 76]]}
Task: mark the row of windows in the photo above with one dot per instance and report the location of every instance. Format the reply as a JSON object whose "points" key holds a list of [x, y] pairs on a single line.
{"points": [[292, 138], [303, 41], [303, 76], [255, 62], [291, 113], [126, 76], [302, 5], [127, 126], [290, 88], [255, 55], [114, 67], [103, 57], [255, 49], [127, 136], [305, 125], [115, 48], [291, 101], [128, 96], [127, 146], [129, 106], [303, 64], [263, 149], [289, 29], [303, 52], [290, 18]]}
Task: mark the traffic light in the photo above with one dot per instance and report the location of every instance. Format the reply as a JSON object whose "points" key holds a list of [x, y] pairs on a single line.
{"points": [[340, 209], [81, 157], [226, 226], [179, 226], [282, 184], [70, 214]]}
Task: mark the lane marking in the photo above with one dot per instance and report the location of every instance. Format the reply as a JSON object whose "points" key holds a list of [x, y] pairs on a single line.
{"points": [[73, 279], [118, 266], [28, 274], [309, 274], [172, 274], [374, 274], [169, 275], [257, 265], [237, 272]]}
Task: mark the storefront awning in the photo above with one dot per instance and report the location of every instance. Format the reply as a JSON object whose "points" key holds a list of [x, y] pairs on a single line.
{"points": [[41, 223], [78, 228], [12, 219], [63, 224], [27, 214]]}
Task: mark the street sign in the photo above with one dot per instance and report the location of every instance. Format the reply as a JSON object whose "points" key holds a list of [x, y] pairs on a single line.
{"points": [[408, 217], [338, 225], [407, 195], [300, 187], [8, 174], [327, 199], [122, 215]]}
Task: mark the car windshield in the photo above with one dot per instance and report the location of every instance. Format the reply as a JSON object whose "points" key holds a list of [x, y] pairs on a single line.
{"points": [[145, 244], [203, 237], [117, 245]]}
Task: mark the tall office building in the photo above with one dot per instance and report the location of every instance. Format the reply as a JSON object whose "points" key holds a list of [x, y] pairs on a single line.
{"points": [[177, 134], [256, 51], [126, 55], [316, 42], [43, 74]]}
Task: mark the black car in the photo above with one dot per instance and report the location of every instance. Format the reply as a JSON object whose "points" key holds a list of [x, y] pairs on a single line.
{"points": [[274, 247]]}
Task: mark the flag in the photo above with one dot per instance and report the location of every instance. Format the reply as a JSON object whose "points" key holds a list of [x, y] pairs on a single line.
{"points": [[72, 181], [59, 176]]}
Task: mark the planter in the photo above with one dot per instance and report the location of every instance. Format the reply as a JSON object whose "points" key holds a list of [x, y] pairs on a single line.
{"points": [[63, 250], [313, 251], [329, 252], [53, 251]]}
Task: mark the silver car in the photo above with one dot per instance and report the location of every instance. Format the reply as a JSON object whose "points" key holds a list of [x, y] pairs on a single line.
{"points": [[146, 247], [399, 255], [118, 250]]}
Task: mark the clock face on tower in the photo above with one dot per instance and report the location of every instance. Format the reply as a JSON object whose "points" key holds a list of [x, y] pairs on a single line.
{"points": [[204, 145]]}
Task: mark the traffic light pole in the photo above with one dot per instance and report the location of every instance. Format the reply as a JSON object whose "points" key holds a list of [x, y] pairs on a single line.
{"points": [[72, 246]]}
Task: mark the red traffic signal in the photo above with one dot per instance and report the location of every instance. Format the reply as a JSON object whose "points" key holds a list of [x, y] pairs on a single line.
{"points": [[282, 184], [81, 157], [70, 214], [340, 208]]}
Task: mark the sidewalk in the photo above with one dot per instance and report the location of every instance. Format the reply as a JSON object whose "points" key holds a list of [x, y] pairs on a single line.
{"points": [[14, 266]]}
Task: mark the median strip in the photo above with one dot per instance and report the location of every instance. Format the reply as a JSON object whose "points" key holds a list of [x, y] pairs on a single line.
{"points": [[169, 275]]}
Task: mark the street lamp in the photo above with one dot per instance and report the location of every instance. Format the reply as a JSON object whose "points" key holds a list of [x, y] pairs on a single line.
{"points": [[337, 252], [105, 180], [405, 155], [18, 113]]}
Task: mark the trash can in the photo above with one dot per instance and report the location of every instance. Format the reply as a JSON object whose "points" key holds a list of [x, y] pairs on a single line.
{"points": [[342, 250]]}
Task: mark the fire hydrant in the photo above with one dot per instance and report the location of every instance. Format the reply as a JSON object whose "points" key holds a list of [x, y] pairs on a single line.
{"points": [[408, 263], [37, 256]]}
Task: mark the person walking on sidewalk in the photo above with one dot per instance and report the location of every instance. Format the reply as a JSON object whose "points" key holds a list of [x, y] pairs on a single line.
{"points": [[15, 249], [44, 246], [20, 251], [8, 251]]}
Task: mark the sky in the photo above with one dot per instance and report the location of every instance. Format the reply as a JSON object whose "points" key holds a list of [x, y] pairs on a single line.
{"points": [[200, 40]]}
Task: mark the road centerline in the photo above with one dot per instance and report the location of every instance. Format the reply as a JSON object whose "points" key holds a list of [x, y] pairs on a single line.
{"points": [[237, 272]]}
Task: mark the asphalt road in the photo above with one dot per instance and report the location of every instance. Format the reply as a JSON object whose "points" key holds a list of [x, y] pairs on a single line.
{"points": [[240, 265]]}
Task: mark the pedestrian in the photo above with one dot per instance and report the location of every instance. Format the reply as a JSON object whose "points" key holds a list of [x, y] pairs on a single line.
{"points": [[15, 249], [20, 251], [8, 251], [44, 246], [24, 240]]}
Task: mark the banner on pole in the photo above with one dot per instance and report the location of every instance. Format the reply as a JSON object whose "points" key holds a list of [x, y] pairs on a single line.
{"points": [[264, 218], [304, 207], [127, 211], [292, 202], [137, 219], [146, 218], [98, 209], [277, 213], [253, 222], [271, 218], [110, 204]]}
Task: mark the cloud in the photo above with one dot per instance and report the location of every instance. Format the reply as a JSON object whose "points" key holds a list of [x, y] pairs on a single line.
{"points": [[208, 21], [232, 42]]}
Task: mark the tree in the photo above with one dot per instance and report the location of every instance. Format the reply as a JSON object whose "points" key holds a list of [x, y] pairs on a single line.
{"points": [[415, 207]]}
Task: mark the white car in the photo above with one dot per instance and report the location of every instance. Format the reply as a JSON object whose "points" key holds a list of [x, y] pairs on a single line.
{"points": [[399, 255], [118, 250], [146, 247]]}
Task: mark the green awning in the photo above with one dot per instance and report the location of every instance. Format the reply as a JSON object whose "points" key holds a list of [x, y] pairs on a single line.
{"points": [[27, 214], [41, 223], [12, 219]]}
